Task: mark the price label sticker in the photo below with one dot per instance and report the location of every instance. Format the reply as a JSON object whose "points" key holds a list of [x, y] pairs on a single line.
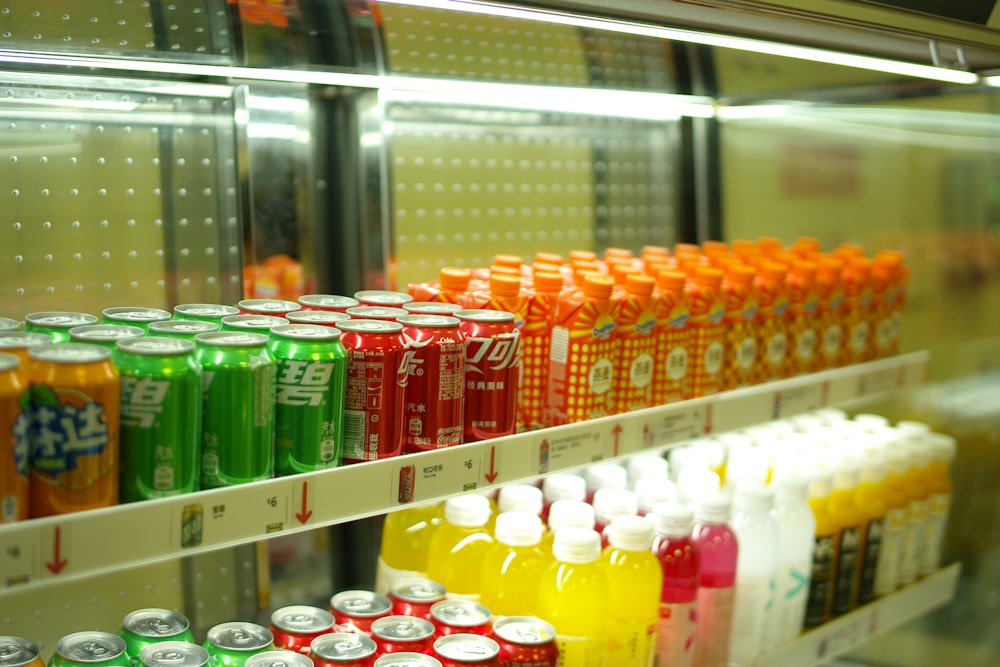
{"points": [[790, 402], [443, 472], [876, 382], [681, 423]]}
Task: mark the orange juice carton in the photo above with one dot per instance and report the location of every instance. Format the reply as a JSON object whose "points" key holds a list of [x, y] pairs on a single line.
{"points": [[803, 321], [830, 303], [635, 319], [674, 338], [857, 309], [740, 318], [536, 335], [772, 329], [450, 287], [708, 310]]}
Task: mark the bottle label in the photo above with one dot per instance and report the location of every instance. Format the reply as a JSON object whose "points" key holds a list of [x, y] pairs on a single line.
{"points": [[746, 353], [677, 363], [937, 518], [785, 620], [847, 568], [715, 623], [776, 347], [631, 643], [860, 335], [582, 651], [753, 599], [675, 634], [913, 537], [872, 540], [387, 576], [713, 357], [820, 580], [887, 574], [831, 341], [805, 345]]}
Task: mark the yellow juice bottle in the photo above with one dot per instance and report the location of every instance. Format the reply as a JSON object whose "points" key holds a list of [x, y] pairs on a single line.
{"points": [[897, 512], [406, 537], [848, 517], [821, 574], [869, 496], [918, 493], [573, 597], [566, 513], [513, 566], [939, 500], [457, 548]]}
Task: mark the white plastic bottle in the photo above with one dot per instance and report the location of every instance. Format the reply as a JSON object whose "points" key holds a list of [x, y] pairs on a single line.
{"points": [[756, 566], [796, 540]]}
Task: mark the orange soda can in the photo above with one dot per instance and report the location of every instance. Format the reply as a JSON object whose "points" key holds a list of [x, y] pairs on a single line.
{"points": [[19, 342], [803, 332], [857, 305], [674, 338], [19, 652], [635, 334], [74, 439], [535, 337], [772, 328], [15, 419], [741, 319], [708, 347]]}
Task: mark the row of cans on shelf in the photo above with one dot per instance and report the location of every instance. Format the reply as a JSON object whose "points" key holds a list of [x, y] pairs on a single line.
{"points": [[216, 395]]}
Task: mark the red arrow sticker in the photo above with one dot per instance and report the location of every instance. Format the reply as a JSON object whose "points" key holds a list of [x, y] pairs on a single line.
{"points": [[58, 562], [491, 476], [617, 431], [306, 513]]}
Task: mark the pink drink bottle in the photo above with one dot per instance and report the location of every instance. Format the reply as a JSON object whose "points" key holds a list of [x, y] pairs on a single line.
{"points": [[681, 562], [716, 592]]}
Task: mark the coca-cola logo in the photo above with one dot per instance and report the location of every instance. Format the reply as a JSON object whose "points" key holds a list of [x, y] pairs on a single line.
{"points": [[498, 353], [410, 364]]}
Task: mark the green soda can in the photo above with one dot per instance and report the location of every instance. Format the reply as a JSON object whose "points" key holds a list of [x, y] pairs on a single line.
{"points": [[90, 649], [7, 324], [309, 403], [204, 312], [259, 323], [182, 328], [105, 335], [56, 323], [174, 654], [145, 627], [139, 317], [230, 644], [161, 404], [237, 433]]}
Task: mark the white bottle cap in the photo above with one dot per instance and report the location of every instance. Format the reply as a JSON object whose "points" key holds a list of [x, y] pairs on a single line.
{"points": [[467, 511], [671, 519], [630, 533], [754, 497], [695, 483], [808, 422], [761, 433], [736, 440], [609, 503], [790, 488], [711, 450], [871, 422], [605, 476], [943, 447], [520, 498], [897, 462], [576, 545], [820, 479], [746, 464], [564, 486], [912, 427], [846, 471], [650, 491], [831, 416], [784, 427], [873, 464], [684, 457], [642, 466], [570, 514], [712, 508], [518, 529]]}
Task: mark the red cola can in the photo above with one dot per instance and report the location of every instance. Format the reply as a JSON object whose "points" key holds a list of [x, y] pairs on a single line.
{"points": [[431, 308], [492, 371], [526, 641], [375, 313], [407, 660], [343, 649], [328, 302], [355, 611], [326, 318], [397, 634], [296, 626], [373, 399], [432, 375], [276, 307], [378, 297], [415, 597], [460, 616], [462, 649]]}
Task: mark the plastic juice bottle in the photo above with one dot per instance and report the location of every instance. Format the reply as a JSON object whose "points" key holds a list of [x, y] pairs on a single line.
{"points": [[581, 360], [635, 330], [870, 500], [604, 475], [562, 486], [849, 519], [857, 302], [406, 537], [680, 562], [741, 312], [717, 545], [573, 597], [772, 326], [939, 500], [609, 503], [674, 338], [513, 566], [457, 548], [796, 541], [897, 513], [756, 568], [708, 308], [536, 335], [803, 303], [566, 514], [450, 287], [830, 296], [824, 549], [635, 579], [918, 491]]}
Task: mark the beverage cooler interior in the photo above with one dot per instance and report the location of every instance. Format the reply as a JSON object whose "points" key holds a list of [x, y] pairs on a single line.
{"points": [[205, 151]]}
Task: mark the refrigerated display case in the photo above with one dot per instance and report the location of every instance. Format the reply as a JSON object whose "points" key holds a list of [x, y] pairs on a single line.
{"points": [[161, 153]]}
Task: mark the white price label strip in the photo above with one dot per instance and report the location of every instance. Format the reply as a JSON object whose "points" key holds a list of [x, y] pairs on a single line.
{"points": [[437, 474]]}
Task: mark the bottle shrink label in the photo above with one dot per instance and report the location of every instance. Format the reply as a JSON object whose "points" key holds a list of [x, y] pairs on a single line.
{"points": [[937, 519], [913, 537], [846, 570], [820, 580], [871, 552], [631, 644], [887, 573], [715, 624], [754, 596], [785, 620], [582, 651], [675, 634]]}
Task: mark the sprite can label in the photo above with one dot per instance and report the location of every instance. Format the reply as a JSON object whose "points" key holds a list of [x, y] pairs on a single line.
{"points": [[309, 410], [161, 403], [238, 408]]}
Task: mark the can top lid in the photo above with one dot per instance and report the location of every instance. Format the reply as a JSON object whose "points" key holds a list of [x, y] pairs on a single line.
{"points": [[375, 312], [407, 659], [460, 613], [60, 319], [104, 332], [483, 315], [418, 590], [69, 353], [136, 314], [231, 339], [17, 651], [8, 361], [279, 658], [183, 327], [429, 321], [156, 623], [302, 619], [524, 630], [19, 340], [268, 305], [253, 321], [328, 301], [403, 628], [342, 646], [306, 332], [431, 308], [362, 604], [383, 297], [173, 654], [8, 324], [90, 646], [240, 636], [370, 326], [206, 309], [316, 317], [466, 647]]}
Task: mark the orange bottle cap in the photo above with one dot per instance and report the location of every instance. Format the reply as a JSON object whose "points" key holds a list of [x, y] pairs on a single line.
{"points": [[656, 268], [714, 247], [549, 258], [830, 265], [504, 270], [638, 284], [806, 244], [708, 276], [584, 255], [804, 268], [580, 274], [671, 281], [597, 286], [773, 270], [455, 278], [624, 253], [503, 285], [892, 258], [514, 261], [548, 281], [689, 248], [540, 267], [585, 264], [620, 271], [741, 273], [846, 250], [860, 267], [654, 251], [769, 244], [744, 246]]}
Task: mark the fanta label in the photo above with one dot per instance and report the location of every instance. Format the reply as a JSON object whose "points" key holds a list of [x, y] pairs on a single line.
{"points": [[68, 426]]}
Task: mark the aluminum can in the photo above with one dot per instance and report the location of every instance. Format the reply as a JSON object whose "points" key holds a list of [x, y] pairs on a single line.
{"points": [[309, 406], [161, 404], [276, 307], [145, 627], [173, 654], [19, 342], [492, 372], [354, 611], [375, 313], [258, 323], [279, 658], [230, 644], [326, 318], [15, 423], [75, 391], [56, 323], [376, 297], [462, 649], [237, 423], [407, 659], [398, 634], [296, 626], [204, 312], [460, 616], [373, 401], [134, 316], [90, 649], [8, 324], [19, 652], [432, 375], [343, 649], [431, 308], [526, 641], [415, 597], [328, 302], [105, 335], [182, 328]]}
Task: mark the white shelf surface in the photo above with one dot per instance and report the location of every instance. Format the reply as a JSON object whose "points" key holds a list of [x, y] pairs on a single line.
{"points": [[75, 545], [852, 630]]}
